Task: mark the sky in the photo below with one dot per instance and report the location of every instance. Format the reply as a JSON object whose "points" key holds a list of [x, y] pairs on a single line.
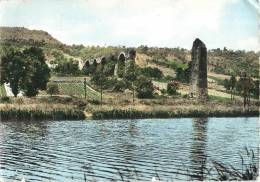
{"points": [[162, 23]]}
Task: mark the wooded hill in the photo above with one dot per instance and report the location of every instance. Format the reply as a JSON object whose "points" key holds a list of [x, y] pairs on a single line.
{"points": [[221, 61]]}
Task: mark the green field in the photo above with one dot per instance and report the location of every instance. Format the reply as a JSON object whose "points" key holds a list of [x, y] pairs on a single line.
{"points": [[2, 91], [76, 89]]}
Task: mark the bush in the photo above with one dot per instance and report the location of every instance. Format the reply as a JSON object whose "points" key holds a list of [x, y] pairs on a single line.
{"points": [[70, 67], [52, 88], [144, 87], [151, 72], [119, 86], [5, 100], [172, 87]]}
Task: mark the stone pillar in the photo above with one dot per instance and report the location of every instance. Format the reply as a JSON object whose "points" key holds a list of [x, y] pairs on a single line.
{"points": [[199, 82]]}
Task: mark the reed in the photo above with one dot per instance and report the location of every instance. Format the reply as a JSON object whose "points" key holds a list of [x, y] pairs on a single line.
{"points": [[17, 114], [249, 170], [135, 114]]}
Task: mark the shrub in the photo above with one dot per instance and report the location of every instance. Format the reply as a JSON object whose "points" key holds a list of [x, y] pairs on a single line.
{"points": [[5, 100], [119, 86], [151, 72], [144, 87], [52, 88], [172, 87]]}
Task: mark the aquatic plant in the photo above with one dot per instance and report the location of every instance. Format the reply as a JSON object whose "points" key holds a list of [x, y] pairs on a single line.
{"points": [[249, 170]]}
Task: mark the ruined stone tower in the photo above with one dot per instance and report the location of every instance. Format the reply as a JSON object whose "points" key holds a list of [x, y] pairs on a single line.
{"points": [[199, 83]]}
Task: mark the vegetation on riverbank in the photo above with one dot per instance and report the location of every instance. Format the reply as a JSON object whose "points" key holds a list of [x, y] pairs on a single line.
{"points": [[60, 107], [134, 114], [56, 108], [16, 114]]}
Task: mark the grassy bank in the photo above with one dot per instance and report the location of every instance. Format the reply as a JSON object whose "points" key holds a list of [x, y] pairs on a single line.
{"points": [[134, 114], [40, 108], [16, 114], [119, 107]]}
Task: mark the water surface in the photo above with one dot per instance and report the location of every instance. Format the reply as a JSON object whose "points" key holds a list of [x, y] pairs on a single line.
{"points": [[128, 149]]}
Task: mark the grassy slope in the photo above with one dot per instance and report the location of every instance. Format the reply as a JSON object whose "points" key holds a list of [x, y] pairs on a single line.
{"points": [[77, 89]]}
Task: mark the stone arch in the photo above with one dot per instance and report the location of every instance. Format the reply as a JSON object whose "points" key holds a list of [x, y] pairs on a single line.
{"points": [[121, 57], [103, 60]]}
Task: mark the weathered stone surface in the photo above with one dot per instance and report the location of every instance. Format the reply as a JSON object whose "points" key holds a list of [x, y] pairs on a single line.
{"points": [[199, 83]]}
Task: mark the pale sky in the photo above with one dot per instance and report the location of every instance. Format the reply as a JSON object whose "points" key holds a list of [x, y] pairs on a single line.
{"points": [[162, 23]]}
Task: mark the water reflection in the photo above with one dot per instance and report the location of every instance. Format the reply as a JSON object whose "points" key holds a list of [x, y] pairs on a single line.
{"points": [[198, 148], [64, 151]]}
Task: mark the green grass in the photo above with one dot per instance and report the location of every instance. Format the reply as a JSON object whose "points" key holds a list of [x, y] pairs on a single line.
{"points": [[76, 89], [2, 91], [218, 80], [218, 98]]}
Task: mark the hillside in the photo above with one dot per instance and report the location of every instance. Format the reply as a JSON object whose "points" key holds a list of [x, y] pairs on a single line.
{"points": [[21, 34], [220, 61]]}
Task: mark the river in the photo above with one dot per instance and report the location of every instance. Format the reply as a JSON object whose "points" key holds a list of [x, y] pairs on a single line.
{"points": [[169, 149]]}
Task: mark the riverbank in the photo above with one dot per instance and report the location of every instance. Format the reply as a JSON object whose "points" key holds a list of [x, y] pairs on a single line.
{"points": [[69, 108], [134, 114]]}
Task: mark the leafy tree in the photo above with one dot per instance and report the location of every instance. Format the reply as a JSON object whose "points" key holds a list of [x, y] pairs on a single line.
{"points": [[120, 85], [52, 88], [109, 68], [93, 67], [38, 72], [226, 84], [246, 84], [130, 74], [255, 89], [232, 83], [183, 74], [25, 70], [13, 69], [70, 67], [85, 69], [144, 87], [151, 72]]}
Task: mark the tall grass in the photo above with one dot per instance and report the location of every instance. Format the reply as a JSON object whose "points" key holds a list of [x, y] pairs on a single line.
{"points": [[135, 114], [17, 114], [248, 171]]}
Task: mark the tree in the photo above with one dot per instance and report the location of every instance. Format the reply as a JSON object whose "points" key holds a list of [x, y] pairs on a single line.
{"points": [[232, 83], [144, 87], [52, 88], [25, 70], [246, 84], [255, 89], [226, 84], [13, 71], [130, 74], [85, 68], [151, 72], [99, 79], [69, 67], [38, 72], [183, 74]]}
